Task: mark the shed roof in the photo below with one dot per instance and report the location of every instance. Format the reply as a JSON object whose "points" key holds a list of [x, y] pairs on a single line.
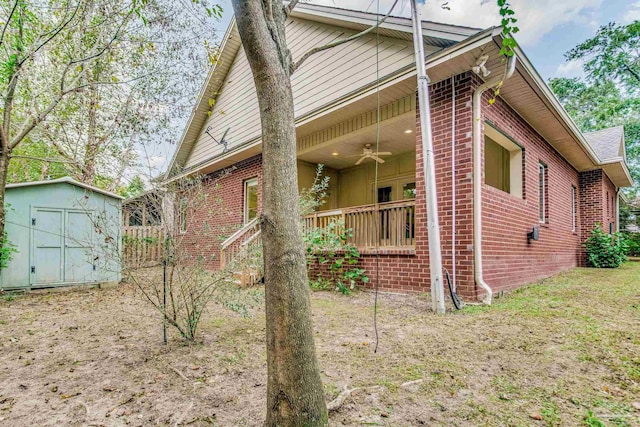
{"points": [[607, 143], [65, 180]]}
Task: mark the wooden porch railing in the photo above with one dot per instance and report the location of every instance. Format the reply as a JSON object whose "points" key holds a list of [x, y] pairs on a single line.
{"points": [[395, 222], [239, 240], [142, 245]]}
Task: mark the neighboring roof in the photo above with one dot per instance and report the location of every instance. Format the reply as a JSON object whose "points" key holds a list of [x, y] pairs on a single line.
{"points": [[435, 34], [607, 143], [65, 180]]}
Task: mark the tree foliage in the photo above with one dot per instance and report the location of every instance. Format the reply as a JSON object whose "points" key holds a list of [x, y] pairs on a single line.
{"points": [[610, 94], [612, 54], [133, 89]]}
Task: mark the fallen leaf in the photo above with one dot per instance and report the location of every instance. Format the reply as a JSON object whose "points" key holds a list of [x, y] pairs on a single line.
{"points": [[69, 396], [536, 416]]}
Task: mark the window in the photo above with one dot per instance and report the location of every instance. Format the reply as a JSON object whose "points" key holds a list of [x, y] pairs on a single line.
{"points": [[182, 215], [502, 162], [250, 199], [384, 194], [409, 190], [574, 217], [543, 196]]}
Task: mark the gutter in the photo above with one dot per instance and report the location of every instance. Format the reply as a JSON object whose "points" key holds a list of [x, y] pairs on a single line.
{"points": [[477, 176]]}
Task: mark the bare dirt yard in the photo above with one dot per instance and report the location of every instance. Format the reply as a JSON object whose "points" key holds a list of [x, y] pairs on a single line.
{"points": [[564, 352]]}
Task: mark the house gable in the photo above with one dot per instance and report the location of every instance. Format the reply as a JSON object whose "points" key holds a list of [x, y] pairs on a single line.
{"points": [[323, 79]]}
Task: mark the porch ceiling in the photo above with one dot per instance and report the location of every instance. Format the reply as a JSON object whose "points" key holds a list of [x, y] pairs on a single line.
{"points": [[344, 151]]}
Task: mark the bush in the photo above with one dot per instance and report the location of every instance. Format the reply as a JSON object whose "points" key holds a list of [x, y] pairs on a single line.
{"points": [[604, 250], [633, 243], [6, 252], [328, 247]]}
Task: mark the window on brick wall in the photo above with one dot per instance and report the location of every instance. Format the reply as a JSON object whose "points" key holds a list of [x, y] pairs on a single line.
{"points": [[250, 199], [574, 209], [502, 162], [543, 196], [182, 215]]}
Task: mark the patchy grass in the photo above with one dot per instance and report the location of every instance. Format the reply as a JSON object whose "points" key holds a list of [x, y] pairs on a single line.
{"points": [[563, 352]]}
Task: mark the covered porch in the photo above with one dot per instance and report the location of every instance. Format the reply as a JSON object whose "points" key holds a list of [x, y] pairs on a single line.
{"points": [[373, 195]]}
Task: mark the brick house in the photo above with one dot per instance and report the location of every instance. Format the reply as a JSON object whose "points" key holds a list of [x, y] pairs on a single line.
{"points": [[536, 168]]}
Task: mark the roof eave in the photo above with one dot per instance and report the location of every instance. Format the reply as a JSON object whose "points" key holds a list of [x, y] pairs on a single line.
{"points": [[201, 96], [554, 103], [65, 180]]}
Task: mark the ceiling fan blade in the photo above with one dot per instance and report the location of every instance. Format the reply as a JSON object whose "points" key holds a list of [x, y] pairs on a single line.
{"points": [[383, 153], [360, 160], [377, 159]]}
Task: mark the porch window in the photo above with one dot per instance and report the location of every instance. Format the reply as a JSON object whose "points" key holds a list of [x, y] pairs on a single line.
{"points": [[542, 194], [384, 194], [250, 199], [409, 190], [502, 162]]}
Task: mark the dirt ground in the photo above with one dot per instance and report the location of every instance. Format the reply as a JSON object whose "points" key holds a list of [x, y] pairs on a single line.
{"points": [[563, 352]]}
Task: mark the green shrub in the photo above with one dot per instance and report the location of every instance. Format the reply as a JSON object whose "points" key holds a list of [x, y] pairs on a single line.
{"points": [[604, 250], [6, 252], [328, 247], [633, 243]]}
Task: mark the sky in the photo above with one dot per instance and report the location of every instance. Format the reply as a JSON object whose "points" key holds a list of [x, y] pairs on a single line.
{"points": [[548, 28]]}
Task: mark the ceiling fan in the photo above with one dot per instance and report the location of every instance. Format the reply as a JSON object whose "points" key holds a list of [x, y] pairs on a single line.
{"points": [[368, 153]]}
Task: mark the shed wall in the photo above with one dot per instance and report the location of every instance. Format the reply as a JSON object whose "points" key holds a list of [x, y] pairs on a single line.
{"points": [[20, 204]]}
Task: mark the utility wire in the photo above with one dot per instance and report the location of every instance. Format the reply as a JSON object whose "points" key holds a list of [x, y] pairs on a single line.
{"points": [[375, 194]]}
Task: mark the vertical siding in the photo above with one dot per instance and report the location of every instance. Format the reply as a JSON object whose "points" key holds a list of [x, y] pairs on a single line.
{"points": [[322, 79], [107, 212]]}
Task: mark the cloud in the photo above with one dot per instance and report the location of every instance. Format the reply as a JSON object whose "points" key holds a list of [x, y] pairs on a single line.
{"points": [[571, 69], [632, 14], [535, 18]]}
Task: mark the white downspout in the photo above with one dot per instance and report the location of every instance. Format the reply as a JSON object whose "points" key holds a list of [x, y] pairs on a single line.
{"points": [[453, 180], [477, 176]]}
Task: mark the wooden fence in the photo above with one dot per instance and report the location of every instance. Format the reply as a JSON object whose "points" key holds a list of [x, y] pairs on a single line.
{"points": [[142, 245]]}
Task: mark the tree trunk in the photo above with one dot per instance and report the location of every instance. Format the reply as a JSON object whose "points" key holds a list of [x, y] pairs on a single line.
{"points": [[294, 390], [88, 170], [4, 171]]}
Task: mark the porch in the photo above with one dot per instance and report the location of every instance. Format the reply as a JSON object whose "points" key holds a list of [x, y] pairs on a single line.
{"points": [[389, 225], [370, 161]]}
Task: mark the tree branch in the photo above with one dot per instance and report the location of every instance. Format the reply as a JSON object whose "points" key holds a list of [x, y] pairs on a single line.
{"points": [[6, 24], [296, 65], [52, 35], [42, 159], [632, 71], [290, 6]]}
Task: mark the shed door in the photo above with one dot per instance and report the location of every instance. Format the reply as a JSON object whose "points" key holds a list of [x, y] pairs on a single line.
{"points": [[78, 254], [48, 240]]}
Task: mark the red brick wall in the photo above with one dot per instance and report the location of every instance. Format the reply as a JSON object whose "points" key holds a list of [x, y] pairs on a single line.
{"points": [[219, 211], [410, 273], [597, 203], [508, 260]]}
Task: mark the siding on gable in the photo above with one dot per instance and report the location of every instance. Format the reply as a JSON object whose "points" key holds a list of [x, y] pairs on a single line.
{"points": [[322, 79]]}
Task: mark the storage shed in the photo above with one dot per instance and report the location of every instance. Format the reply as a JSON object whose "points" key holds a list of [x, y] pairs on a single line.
{"points": [[65, 233]]}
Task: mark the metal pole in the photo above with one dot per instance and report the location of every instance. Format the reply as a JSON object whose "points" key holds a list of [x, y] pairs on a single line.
{"points": [[428, 163], [165, 256], [164, 299]]}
